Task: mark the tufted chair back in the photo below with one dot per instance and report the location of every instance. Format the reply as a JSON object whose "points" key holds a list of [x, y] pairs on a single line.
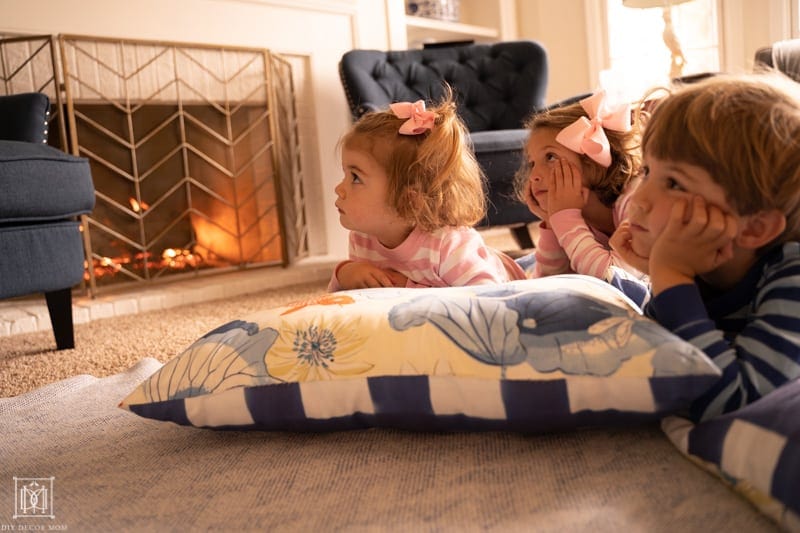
{"points": [[781, 55], [496, 87], [24, 117]]}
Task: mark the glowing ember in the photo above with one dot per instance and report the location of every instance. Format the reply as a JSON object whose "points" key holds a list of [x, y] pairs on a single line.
{"points": [[137, 206], [143, 263], [180, 258], [171, 258]]}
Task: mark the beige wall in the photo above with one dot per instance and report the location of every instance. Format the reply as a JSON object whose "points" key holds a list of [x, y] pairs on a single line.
{"points": [[546, 21]]}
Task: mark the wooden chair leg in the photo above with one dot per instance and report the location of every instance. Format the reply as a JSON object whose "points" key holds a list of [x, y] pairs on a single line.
{"points": [[59, 304], [522, 236]]}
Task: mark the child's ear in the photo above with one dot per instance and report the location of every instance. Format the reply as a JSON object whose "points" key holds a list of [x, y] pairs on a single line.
{"points": [[760, 228]]}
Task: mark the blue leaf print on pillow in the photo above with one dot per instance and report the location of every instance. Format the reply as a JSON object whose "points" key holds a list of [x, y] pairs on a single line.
{"points": [[483, 327], [229, 356], [249, 327], [560, 332], [564, 330]]}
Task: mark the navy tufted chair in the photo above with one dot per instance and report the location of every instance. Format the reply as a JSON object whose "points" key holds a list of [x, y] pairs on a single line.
{"points": [[44, 192], [496, 86]]}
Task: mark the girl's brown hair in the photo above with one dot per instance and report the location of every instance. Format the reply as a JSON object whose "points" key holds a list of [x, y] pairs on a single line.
{"points": [[607, 183], [434, 178], [744, 130]]}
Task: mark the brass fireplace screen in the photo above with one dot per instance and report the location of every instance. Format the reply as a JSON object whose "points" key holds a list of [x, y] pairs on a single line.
{"points": [[194, 150]]}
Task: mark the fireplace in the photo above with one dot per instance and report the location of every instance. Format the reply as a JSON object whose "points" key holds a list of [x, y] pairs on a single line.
{"points": [[194, 152]]}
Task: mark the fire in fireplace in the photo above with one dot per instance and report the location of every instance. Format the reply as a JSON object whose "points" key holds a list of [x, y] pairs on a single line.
{"points": [[192, 149]]}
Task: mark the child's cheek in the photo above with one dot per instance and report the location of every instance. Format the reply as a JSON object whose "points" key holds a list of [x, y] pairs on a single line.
{"points": [[542, 200], [639, 246]]}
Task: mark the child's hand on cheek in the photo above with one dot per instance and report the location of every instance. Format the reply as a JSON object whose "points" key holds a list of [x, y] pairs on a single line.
{"points": [[566, 189], [620, 242], [533, 204], [697, 239]]}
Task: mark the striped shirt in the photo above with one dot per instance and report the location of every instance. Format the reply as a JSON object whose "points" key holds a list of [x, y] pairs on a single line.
{"points": [[751, 332], [569, 245], [446, 257]]}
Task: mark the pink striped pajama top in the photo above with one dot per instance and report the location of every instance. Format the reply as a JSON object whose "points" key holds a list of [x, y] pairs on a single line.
{"points": [[447, 257]]}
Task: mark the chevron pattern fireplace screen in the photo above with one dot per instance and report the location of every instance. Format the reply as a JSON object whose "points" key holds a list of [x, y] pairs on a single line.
{"points": [[192, 147]]}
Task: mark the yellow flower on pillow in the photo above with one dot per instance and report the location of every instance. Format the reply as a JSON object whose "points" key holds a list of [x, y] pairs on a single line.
{"points": [[316, 350]]}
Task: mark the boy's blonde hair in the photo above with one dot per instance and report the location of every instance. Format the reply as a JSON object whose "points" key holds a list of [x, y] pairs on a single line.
{"points": [[744, 130], [434, 178], [607, 183]]}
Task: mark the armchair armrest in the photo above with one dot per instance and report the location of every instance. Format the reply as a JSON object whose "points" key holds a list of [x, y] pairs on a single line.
{"points": [[23, 117]]}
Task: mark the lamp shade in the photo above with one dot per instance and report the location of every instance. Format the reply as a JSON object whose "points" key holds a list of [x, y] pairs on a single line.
{"points": [[651, 3]]}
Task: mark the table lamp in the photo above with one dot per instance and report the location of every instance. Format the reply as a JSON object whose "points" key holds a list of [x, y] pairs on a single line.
{"points": [[670, 39]]}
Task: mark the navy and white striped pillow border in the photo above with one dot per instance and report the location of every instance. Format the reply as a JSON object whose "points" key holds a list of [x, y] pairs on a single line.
{"points": [[759, 444], [435, 403]]}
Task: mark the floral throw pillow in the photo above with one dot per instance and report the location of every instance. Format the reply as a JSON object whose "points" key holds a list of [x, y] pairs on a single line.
{"points": [[533, 355]]}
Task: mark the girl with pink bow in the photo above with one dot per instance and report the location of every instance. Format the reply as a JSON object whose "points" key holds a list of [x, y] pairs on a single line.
{"points": [[411, 192], [580, 168]]}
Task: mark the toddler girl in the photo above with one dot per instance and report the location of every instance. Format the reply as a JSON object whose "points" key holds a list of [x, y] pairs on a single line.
{"points": [[580, 167], [412, 190]]}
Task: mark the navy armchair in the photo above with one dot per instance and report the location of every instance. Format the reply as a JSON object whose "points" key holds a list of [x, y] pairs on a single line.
{"points": [[496, 86], [44, 192]]}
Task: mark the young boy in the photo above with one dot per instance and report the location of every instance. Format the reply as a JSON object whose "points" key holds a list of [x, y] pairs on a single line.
{"points": [[715, 223]]}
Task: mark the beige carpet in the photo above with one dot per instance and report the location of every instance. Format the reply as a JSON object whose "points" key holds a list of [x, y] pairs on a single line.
{"points": [[109, 346]]}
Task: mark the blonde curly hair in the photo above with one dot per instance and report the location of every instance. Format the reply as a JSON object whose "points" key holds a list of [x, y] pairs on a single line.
{"points": [[434, 178]]}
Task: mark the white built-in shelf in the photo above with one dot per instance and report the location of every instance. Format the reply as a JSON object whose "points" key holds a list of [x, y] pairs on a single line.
{"points": [[421, 29], [483, 21]]}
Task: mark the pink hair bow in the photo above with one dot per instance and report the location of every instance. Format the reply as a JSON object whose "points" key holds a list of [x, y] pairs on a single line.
{"points": [[588, 136], [418, 121]]}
